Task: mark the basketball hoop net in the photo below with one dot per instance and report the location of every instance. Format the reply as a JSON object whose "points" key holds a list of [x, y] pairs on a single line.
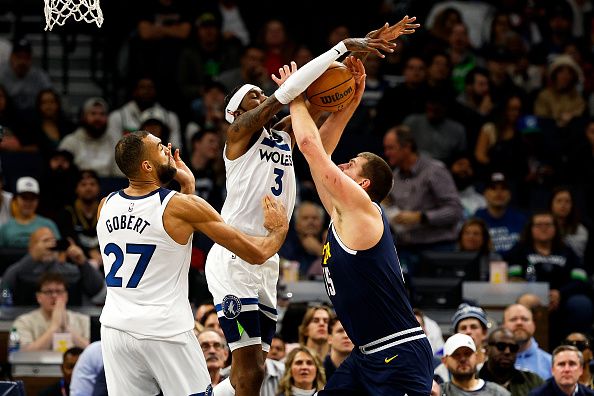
{"points": [[57, 11]]}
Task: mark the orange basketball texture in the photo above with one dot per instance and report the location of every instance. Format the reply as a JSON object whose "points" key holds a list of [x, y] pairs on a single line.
{"points": [[332, 90]]}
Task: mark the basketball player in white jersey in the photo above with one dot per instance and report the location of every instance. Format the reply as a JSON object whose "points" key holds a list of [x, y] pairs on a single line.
{"points": [[258, 161], [145, 233]]}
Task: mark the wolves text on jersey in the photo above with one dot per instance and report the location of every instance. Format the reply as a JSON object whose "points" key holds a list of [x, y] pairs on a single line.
{"points": [[126, 222], [276, 157]]}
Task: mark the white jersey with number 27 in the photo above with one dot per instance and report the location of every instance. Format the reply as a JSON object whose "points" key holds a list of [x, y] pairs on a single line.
{"points": [[146, 270]]}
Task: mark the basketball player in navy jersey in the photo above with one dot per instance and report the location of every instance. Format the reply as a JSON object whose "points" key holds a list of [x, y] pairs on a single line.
{"points": [[145, 234], [258, 160], [392, 355]]}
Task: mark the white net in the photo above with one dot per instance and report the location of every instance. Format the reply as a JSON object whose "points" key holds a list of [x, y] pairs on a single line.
{"points": [[57, 11]]}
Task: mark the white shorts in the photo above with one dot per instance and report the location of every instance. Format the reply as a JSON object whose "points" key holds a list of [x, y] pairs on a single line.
{"points": [[244, 296], [142, 367]]}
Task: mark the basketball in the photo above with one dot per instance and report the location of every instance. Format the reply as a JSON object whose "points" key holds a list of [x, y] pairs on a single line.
{"points": [[332, 90]]}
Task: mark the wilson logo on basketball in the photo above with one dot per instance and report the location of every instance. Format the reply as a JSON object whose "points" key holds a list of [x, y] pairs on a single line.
{"points": [[327, 99]]}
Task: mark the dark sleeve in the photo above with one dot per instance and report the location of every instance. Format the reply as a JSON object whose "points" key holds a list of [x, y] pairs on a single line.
{"points": [[577, 280], [92, 280]]}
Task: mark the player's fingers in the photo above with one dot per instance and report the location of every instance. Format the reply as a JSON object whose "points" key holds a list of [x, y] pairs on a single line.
{"points": [[293, 67]]}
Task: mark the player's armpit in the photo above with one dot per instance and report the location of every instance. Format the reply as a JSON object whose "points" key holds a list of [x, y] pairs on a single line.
{"points": [[253, 120]]}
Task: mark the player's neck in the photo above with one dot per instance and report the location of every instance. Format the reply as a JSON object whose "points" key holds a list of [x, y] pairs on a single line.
{"points": [[139, 187]]}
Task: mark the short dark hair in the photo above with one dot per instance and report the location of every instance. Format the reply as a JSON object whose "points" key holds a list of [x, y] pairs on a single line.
{"points": [[87, 174], [333, 320], [74, 351], [50, 277], [129, 152], [405, 138], [379, 173]]}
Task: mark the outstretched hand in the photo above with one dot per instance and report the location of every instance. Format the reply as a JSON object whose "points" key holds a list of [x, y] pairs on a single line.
{"points": [[391, 33], [284, 73], [358, 71], [371, 45]]}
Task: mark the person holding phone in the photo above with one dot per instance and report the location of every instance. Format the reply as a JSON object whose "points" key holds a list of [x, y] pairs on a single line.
{"points": [[46, 254]]}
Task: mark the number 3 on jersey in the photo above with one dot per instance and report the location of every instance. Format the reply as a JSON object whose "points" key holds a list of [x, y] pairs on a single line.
{"points": [[145, 252], [278, 189]]}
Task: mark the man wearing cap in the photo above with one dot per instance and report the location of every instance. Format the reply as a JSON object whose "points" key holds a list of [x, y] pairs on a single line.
{"points": [[91, 147], [519, 320], [21, 79], [460, 359], [472, 321], [16, 232], [504, 222], [499, 368]]}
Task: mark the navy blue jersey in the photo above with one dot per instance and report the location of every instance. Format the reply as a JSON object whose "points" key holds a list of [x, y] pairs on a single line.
{"points": [[367, 288]]}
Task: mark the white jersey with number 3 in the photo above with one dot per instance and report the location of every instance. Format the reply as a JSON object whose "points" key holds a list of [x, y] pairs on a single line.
{"points": [[265, 169], [146, 270]]}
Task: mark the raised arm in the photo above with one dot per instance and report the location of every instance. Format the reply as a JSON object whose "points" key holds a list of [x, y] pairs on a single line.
{"points": [[336, 190], [188, 213], [292, 83], [390, 32], [332, 129]]}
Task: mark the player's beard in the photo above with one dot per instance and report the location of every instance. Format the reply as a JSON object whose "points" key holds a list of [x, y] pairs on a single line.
{"points": [[166, 172]]}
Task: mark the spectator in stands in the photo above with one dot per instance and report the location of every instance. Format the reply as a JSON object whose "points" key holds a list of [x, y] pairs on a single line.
{"points": [[37, 329], [277, 45], [154, 120], [472, 321], [498, 61], [206, 57], [207, 166], [567, 368], [251, 70], [461, 54], [413, 87], [5, 202], [62, 387], [313, 331], [162, 29], [304, 242], [15, 233], [9, 121], [304, 373], [79, 220], [46, 256], [127, 118], [460, 360], [424, 207], [474, 237], [340, 347], [88, 377], [474, 104], [541, 256], [439, 74], [49, 125], [499, 368], [463, 173], [519, 320], [278, 348], [207, 113], [499, 147], [560, 100], [215, 352], [90, 145], [583, 344], [574, 233], [58, 183], [22, 80], [210, 320], [435, 132], [504, 222]]}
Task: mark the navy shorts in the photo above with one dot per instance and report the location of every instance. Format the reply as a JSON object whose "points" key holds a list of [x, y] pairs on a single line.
{"points": [[405, 369]]}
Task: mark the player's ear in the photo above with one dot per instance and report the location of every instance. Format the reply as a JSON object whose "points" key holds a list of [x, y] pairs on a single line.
{"points": [[365, 183], [146, 166]]}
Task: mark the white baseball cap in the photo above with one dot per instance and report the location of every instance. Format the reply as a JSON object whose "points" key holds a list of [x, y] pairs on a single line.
{"points": [[27, 184], [456, 341]]}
